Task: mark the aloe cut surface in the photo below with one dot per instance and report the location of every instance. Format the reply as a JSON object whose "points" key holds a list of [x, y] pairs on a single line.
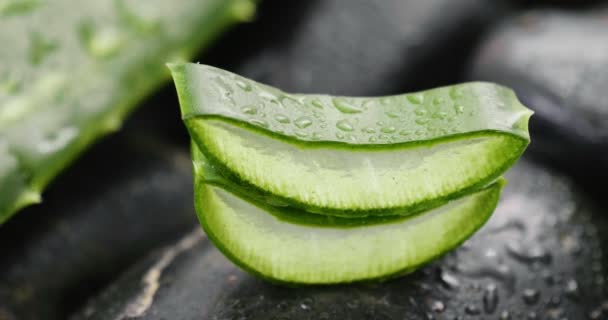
{"points": [[284, 244], [72, 70], [353, 157]]}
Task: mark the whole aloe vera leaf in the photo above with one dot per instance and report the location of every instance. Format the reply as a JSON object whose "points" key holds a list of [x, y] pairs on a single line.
{"points": [[353, 157], [72, 70]]}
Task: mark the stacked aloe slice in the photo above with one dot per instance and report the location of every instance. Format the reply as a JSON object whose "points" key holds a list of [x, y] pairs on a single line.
{"points": [[319, 189]]}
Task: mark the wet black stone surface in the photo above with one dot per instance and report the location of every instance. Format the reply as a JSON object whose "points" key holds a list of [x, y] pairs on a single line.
{"points": [[128, 195], [543, 252]]}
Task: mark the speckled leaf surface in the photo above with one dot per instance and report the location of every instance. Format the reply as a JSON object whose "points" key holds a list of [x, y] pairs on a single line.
{"points": [[71, 71]]}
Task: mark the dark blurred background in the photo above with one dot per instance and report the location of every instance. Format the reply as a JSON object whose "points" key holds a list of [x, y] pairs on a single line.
{"points": [[113, 216]]}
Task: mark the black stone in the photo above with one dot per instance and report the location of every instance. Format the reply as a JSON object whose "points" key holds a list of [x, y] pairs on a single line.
{"points": [[357, 47], [557, 62], [126, 196], [197, 282]]}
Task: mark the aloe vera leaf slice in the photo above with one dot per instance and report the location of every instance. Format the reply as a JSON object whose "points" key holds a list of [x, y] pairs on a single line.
{"points": [[72, 70], [353, 157], [207, 172], [272, 248]]}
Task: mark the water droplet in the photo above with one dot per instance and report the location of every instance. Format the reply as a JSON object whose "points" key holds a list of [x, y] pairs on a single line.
{"points": [[58, 140], [416, 98], [344, 125], [353, 304], [438, 306], [456, 93], [268, 96], [531, 296], [404, 133], [301, 134], [303, 122], [448, 279], [317, 136], [571, 288], [383, 137], [472, 310], [243, 85], [420, 112], [490, 298], [324, 316], [532, 315], [440, 115], [40, 48], [388, 129], [316, 103], [392, 114], [251, 110], [505, 315], [384, 101], [340, 135], [100, 42], [369, 130], [373, 139], [459, 108], [422, 121], [529, 254], [346, 107], [437, 101], [258, 122], [281, 118], [595, 314]]}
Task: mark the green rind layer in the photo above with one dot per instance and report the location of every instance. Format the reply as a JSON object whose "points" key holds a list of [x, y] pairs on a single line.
{"points": [[482, 203]]}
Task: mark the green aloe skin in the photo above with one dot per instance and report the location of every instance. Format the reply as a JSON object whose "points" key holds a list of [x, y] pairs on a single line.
{"points": [[318, 189], [72, 71]]}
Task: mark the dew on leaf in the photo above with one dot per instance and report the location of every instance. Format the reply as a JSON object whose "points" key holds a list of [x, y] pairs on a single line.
{"points": [[456, 93], [344, 125], [390, 129], [281, 118], [303, 122], [437, 101], [346, 107], [250, 110], [258, 122], [316, 103], [422, 121], [416, 98], [243, 85]]}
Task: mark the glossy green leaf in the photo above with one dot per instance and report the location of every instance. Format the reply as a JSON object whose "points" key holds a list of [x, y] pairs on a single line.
{"points": [[72, 70], [353, 157]]}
